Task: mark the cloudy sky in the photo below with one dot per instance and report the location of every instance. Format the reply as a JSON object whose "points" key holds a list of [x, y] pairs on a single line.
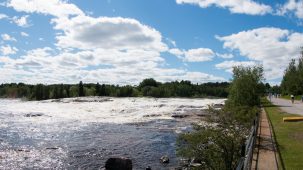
{"points": [[125, 41]]}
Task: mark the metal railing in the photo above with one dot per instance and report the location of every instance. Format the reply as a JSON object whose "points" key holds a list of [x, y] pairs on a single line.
{"points": [[248, 147]]}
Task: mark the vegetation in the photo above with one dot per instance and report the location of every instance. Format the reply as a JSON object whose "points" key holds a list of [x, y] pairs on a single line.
{"points": [[292, 82], [148, 87], [289, 136], [217, 145]]}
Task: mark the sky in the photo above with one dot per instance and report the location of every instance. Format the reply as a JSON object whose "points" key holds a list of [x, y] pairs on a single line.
{"points": [[125, 41]]}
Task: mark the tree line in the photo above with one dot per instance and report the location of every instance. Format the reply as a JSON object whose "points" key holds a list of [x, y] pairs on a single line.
{"points": [[292, 82], [148, 87]]}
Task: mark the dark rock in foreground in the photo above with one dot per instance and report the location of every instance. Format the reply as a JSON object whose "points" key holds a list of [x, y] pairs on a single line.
{"points": [[118, 164]]}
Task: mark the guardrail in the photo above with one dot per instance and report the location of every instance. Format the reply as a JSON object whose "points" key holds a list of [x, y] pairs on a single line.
{"points": [[248, 147]]}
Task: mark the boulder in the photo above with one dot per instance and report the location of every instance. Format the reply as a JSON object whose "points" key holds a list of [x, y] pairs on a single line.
{"points": [[118, 164], [164, 159]]}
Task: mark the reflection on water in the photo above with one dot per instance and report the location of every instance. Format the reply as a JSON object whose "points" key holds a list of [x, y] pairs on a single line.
{"points": [[68, 134]]}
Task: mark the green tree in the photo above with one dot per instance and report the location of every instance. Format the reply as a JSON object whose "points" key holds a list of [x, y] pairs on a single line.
{"points": [[244, 87], [74, 91], [81, 89], [148, 82], [292, 82], [217, 144], [98, 89]]}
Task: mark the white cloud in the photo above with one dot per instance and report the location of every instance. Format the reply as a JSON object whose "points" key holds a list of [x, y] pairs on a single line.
{"points": [[7, 37], [3, 16], [228, 65], [7, 50], [56, 8], [85, 32], [294, 7], [193, 55], [199, 55], [21, 21], [225, 56], [177, 52], [249, 7], [119, 33], [110, 66], [104, 49], [172, 42], [24, 34], [273, 47]]}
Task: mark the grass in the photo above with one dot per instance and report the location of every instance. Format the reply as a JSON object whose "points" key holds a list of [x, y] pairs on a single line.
{"points": [[288, 135]]}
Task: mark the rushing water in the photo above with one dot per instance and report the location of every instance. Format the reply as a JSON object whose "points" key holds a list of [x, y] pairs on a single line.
{"points": [[82, 133]]}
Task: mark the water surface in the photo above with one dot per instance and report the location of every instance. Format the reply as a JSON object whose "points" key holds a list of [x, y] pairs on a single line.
{"points": [[82, 133]]}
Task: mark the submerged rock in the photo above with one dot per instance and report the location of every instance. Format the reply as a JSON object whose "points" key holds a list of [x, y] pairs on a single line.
{"points": [[52, 148], [23, 150], [87, 99], [152, 115], [164, 159], [33, 114], [118, 164], [179, 115]]}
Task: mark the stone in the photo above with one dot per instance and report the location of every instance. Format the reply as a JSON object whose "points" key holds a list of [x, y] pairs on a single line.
{"points": [[33, 114], [118, 164], [164, 159]]}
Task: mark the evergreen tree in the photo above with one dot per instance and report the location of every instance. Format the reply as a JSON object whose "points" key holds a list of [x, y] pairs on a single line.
{"points": [[61, 91], [103, 91], [98, 89], [81, 89]]}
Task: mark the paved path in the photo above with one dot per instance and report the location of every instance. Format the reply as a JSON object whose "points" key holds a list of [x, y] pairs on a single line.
{"points": [[264, 157], [287, 106]]}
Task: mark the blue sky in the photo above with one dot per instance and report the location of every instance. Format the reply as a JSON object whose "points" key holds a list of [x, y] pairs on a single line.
{"points": [[125, 41]]}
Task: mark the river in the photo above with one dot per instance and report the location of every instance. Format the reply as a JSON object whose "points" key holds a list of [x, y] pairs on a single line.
{"points": [[82, 133]]}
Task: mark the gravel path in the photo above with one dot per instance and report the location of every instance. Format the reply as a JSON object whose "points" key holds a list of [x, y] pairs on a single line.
{"points": [[287, 106], [264, 157]]}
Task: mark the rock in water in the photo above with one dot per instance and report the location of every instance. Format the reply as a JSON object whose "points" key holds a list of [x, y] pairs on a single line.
{"points": [[33, 114], [118, 164], [164, 159]]}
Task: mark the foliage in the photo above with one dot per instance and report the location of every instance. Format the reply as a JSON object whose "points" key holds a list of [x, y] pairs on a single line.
{"points": [[148, 87], [292, 82], [150, 82], [244, 89], [81, 89], [245, 92], [217, 145]]}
